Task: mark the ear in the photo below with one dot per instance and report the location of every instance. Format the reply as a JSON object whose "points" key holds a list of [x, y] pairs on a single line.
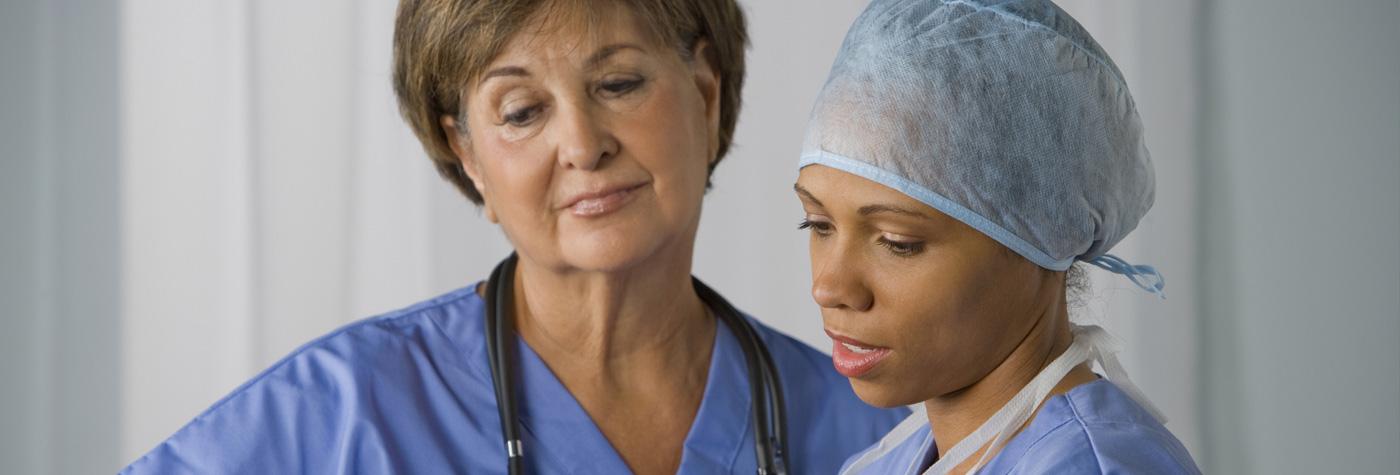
{"points": [[461, 147], [708, 81]]}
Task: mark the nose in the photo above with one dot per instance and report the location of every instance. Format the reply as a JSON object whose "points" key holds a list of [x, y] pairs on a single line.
{"points": [[837, 283], [584, 140]]}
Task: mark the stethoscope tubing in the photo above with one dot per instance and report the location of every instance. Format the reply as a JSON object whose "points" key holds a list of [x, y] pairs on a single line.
{"points": [[770, 438], [499, 349]]}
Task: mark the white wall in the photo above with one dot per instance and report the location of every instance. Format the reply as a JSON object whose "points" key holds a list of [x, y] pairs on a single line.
{"points": [[1301, 209]]}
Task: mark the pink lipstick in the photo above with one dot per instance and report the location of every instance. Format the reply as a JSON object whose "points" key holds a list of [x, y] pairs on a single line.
{"points": [[853, 358], [588, 205]]}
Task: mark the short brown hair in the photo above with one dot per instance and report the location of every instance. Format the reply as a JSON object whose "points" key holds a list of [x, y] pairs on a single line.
{"points": [[440, 46]]}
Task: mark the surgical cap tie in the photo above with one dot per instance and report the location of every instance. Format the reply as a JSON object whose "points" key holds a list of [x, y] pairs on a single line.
{"points": [[1145, 277]]}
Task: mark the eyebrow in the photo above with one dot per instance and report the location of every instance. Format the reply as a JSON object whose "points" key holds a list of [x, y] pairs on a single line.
{"points": [[504, 71], [607, 51], [868, 210], [807, 194]]}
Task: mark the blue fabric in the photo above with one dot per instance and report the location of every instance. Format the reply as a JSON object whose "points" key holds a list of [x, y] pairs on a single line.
{"points": [[410, 392], [1003, 114], [1094, 428]]}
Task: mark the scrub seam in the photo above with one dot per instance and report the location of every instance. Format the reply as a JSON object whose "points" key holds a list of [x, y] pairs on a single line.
{"points": [[1079, 418], [437, 309]]}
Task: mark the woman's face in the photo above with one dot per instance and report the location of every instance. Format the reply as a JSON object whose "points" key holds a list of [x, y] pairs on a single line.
{"points": [[918, 304], [591, 145]]}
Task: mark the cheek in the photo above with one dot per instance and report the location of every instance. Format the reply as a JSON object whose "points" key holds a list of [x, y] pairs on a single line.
{"points": [[817, 250], [926, 307], [667, 136], [513, 166], [941, 317], [517, 178]]}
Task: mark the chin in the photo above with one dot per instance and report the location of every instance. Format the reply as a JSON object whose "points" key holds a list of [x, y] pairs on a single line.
{"points": [[611, 250], [884, 394]]}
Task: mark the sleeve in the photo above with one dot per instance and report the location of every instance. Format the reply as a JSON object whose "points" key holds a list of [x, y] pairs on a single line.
{"points": [[294, 418]]}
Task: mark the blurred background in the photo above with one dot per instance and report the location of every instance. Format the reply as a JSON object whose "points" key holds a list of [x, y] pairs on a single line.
{"points": [[189, 189]]}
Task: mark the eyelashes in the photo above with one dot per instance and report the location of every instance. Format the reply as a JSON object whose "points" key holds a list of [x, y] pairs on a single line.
{"points": [[522, 116], [901, 248], [818, 227], [897, 248], [608, 90], [619, 87]]}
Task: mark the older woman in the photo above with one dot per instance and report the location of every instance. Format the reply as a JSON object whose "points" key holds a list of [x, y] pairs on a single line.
{"points": [[961, 157], [587, 131]]}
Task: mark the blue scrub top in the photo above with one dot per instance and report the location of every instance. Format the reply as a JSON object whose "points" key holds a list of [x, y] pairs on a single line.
{"points": [[410, 392], [1093, 428]]}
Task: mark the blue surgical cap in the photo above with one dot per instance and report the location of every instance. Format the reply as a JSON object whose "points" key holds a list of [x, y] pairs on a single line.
{"points": [[1005, 115]]}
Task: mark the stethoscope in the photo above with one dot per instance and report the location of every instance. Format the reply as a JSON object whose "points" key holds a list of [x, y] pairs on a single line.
{"points": [[770, 439]]}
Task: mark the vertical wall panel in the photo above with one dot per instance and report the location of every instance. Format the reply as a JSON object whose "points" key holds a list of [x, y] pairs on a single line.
{"points": [[186, 213], [390, 202], [1303, 200], [304, 161], [23, 233], [1163, 61], [84, 235]]}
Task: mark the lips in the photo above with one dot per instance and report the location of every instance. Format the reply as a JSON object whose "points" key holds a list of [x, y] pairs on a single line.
{"points": [[601, 202], [853, 358]]}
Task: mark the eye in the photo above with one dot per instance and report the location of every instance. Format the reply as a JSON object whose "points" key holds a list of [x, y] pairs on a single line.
{"points": [[901, 248], [819, 228], [618, 87], [522, 116]]}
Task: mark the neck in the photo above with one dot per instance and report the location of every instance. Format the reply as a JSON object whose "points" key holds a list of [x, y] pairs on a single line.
{"points": [[956, 415], [632, 346], [615, 324]]}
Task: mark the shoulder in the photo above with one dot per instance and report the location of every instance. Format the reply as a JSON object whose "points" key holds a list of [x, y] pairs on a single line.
{"points": [[293, 411], [376, 346], [1098, 429]]}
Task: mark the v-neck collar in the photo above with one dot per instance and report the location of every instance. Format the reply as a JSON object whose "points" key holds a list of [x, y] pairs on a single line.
{"points": [[561, 429], [556, 427], [723, 423], [565, 434]]}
